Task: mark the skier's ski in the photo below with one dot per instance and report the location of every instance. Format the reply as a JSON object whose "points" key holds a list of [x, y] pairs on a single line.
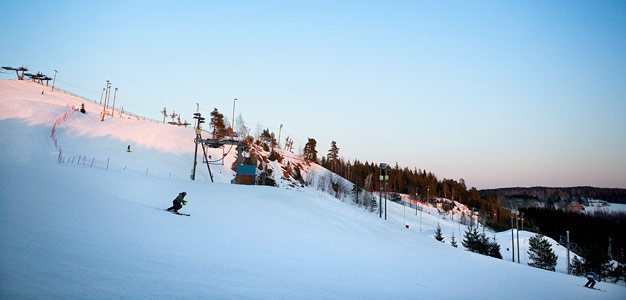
{"points": [[593, 288], [177, 213]]}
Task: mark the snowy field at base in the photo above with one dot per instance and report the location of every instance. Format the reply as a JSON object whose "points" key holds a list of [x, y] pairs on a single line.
{"points": [[73, 231], [605, 207]]}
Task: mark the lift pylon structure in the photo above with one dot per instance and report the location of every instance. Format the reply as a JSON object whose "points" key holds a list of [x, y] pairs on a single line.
{"points": [[213, 143]]}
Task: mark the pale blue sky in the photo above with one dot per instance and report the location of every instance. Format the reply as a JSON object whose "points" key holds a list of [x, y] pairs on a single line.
{"points": [[500, 93]]}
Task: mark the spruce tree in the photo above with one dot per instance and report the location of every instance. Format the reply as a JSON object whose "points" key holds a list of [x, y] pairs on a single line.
{"points": [[333, 156], [541, 254], [269, 138], [438, 235], [578, 266], [480, 243], [217, 122], [371, 202], [309, 151], [471, 239], [493, 248], [453, 241]]}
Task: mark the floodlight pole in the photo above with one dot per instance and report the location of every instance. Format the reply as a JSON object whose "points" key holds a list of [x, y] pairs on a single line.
{"points": [[113, 107], [107, 95], [386, 191], [55, 79], [195, 122], [101, 94], [421, 208], [195, 155], [104, 108], [233, 128], [381, 179], [383, 187], [567, 246], [517, 228], [380, 198], [512, 238], [279, 131], [198, 117]]}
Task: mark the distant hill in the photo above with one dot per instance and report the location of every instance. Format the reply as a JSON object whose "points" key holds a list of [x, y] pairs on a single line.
{"points": [[557, 194]]}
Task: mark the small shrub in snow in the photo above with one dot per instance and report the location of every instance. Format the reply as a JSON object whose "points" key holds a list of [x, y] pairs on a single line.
{"points": [[274, 156], [395, 197], [453, 241], [438, 235]]}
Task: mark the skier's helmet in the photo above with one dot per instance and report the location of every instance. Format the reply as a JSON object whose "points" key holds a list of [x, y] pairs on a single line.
{"points": [[184, 193]]}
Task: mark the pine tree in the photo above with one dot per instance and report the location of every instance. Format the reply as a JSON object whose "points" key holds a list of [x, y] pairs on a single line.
{"points": [[333, 155], [471, 240], [453, 241], [493, 248], [438, 235], [541, 254], [480, 243], [578, 266], [268, 138], [371, 202], [217, 122], [309, 151]]}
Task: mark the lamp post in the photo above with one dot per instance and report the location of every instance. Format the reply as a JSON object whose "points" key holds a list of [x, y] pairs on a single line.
{"points": [[380, 201], [234, 117], [55, 79], [113, 107], [512, 237], [107, 95], [416, 196], [279, 132], [383, 176], [101, 94], [104, 108], [517, 229], [199, 120], [421, 208], [404, 213], [568, 265], [386, 197]]}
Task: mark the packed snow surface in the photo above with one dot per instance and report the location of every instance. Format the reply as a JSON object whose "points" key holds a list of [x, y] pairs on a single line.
{"points": [[603, 206], [96, 228]]}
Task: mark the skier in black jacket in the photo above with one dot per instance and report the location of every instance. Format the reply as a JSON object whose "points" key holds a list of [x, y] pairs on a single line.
{"points": [[178, 202]]}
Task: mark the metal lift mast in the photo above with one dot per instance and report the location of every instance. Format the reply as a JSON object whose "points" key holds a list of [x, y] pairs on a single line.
{"points": [[213, 143]]}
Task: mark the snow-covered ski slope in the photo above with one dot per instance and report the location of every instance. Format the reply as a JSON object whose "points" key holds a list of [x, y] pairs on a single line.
{"points": [[80, 231], [603, 206]]}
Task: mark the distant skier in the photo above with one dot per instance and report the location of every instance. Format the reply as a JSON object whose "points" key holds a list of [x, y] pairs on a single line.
{"points": [[128, 149], [592, 277], [178, 202]]}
